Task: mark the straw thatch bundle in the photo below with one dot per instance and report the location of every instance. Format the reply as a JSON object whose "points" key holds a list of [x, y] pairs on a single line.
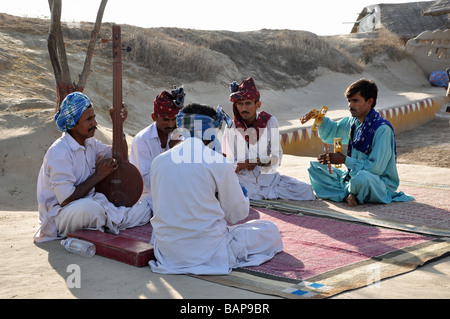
{"points": [[438, 8]]}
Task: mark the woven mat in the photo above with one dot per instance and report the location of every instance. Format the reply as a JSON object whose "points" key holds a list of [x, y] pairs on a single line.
{"points": [[429, 213], [323, 257]]}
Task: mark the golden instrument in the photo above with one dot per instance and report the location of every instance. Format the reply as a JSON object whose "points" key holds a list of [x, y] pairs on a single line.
{"points": [[319, 118], [311, 114], [317, 115], [338, 149]]}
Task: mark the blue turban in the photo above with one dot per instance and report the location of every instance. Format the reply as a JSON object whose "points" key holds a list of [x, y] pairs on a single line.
{"points": [[189, 121], [71, 110]]}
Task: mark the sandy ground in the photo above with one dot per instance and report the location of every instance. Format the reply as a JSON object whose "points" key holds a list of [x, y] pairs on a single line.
{"points": [[430, 145]]}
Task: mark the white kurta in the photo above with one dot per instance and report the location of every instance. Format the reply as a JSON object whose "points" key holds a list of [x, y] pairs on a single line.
{"points": [[145, 147], [264, 182], [66, 165], [198, 193]]}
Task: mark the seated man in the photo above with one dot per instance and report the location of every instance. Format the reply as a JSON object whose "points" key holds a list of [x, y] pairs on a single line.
{"points": [[252, 143], [157, 137], [198, 193], [371, 156], [72, 166]]}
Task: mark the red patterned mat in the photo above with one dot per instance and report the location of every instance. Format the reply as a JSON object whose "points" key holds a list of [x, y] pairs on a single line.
{"points": [[315, 245], [322, 257]]}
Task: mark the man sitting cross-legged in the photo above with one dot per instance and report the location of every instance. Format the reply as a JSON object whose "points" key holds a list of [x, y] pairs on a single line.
{"points": [[195, 194]]}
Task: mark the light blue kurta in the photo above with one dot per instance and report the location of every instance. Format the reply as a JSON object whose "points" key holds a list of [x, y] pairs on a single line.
{"points": [[374, 176]]}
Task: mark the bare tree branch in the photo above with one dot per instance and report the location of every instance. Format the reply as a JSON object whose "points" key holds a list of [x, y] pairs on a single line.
{"points": [[58, 56], [55, 9], [94, 35]]}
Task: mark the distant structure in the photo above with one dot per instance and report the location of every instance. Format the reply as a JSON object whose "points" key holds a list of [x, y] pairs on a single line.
{"points": [[406, 20], [438, 8], [431, 48]]}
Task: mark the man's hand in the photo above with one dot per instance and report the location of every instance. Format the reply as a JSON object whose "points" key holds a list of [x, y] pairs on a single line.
{"points": [[172, 143], [123, 112], [175, 139], [265, 163], [248, 165], [104, 167], [335, 158]]}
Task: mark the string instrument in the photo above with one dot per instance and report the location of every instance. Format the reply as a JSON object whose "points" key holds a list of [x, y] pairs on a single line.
{"points": [[327, 153], [124, 186], [338, 149]]}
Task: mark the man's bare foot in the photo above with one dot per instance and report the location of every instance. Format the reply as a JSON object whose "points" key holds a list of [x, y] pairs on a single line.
{"points": [[351, 200]]}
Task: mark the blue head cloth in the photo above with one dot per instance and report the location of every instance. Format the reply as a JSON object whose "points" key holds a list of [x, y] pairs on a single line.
{"points": [[191, 122], [72, 107]]}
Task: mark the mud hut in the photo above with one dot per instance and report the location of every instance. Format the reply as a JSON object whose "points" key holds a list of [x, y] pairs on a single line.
{"points": [[403, 19]]}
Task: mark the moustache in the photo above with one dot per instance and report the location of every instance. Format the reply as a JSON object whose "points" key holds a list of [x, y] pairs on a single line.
{"points": [[92, 128]]}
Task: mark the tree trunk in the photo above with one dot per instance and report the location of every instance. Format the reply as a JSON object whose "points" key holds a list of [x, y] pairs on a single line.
{"points": [[94, 35], [58, 57]]}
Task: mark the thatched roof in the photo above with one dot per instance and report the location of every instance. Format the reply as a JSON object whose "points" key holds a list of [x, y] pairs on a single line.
{"points": [[439, 7], [404, 19]]}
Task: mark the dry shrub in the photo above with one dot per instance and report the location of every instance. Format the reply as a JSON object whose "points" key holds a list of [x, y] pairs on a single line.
{"points": [[385, 43], [166, 56], [280, 58], [303, 52]]}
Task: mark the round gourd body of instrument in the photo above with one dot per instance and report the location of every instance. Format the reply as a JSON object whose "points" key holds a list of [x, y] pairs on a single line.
{"points": [[122, 187]]}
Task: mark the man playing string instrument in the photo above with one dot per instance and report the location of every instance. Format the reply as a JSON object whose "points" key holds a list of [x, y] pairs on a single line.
{"points": [[371, 174], [197, 194], [72, 167]]}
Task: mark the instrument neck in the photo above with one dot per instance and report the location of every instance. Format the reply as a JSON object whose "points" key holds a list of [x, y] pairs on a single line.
{"points": [[118, 140]]}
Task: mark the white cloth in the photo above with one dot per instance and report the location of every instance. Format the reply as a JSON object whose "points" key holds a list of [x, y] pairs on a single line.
{"points": [[264, 182], [197, 194], [87, 213], [84, 213], [146, 145], [66, 165]]}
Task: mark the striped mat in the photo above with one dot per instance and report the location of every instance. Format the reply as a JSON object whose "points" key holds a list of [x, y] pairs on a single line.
{"points": [[428, 214]]}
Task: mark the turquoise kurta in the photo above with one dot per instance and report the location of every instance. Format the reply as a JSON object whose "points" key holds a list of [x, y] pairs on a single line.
{"points": [[374, 176]]}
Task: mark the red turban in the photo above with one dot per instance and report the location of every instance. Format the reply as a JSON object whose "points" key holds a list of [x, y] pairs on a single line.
{"points": [[164, 105], [245, 91]]}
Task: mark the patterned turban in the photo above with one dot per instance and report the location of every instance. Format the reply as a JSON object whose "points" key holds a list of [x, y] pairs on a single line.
{"points": [[72, 107], [245, 91], [169, 104], [201, 123]]}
